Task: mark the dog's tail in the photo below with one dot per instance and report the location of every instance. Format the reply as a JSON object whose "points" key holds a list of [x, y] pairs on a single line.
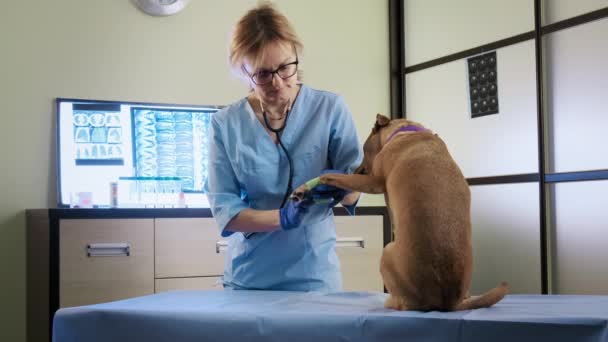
{"points": [[485, 300]]}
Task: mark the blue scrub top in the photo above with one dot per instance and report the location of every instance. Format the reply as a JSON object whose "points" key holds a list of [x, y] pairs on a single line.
{"points": [[248, 170]]}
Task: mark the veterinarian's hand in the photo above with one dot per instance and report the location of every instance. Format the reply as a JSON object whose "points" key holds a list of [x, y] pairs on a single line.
{"points": [[324, 191], [291, 214]]}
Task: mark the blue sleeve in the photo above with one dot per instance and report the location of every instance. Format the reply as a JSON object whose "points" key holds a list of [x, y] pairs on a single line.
{"points": [[345, 152], [221, 185]]}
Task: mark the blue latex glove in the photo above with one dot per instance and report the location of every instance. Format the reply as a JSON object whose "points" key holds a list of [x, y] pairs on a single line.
{"points": [[291, 214], [324, 191]]}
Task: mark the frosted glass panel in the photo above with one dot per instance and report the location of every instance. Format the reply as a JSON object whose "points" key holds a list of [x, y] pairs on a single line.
{"points": [[557, 10], [581, 233], [504, 143], [506, 240], [435, 28], [577, 83]]}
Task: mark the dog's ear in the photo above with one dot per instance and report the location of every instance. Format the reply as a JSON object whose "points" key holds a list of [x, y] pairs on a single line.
{"points": [[381, 121]]}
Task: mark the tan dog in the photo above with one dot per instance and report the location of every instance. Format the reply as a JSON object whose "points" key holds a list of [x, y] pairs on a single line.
{"points": [[429, 264]]}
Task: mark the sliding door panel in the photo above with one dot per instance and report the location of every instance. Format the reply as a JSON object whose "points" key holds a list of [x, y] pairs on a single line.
{"points": [[499, 144], [436, 28], [506, 238], [558, 10], [577, 100], [581, 230]]}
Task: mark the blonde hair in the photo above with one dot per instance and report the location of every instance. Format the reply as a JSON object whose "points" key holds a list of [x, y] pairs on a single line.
{"points": [[258, 28]]}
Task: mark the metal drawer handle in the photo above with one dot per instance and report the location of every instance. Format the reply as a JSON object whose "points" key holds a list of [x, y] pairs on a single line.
{"points": [[358, 242], [220, 246], [108, 249]]}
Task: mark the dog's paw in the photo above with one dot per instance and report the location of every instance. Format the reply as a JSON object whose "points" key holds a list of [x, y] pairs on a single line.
{"points": [[299, 194], [326, 178]]}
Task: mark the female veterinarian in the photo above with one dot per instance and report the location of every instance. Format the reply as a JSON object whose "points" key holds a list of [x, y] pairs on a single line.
{"points": [[263, 146]]}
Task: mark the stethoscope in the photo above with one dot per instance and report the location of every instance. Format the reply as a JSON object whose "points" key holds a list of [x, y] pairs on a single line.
{"points": [[277, 132]]}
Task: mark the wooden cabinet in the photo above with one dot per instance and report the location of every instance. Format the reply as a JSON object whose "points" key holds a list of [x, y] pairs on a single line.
{"points": [[190, 283], [359, 244], [73, 260], [187, 247], [105, 260], [86, 256], [187, 254]]}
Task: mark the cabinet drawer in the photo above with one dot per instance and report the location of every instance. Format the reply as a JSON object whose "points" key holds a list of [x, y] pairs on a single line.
{"points": [[359, 246], [89, 275], [186, 247], [195, 283]]}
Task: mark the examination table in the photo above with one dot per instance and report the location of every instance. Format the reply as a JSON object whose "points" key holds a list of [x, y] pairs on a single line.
{"points": [[318, 317]]}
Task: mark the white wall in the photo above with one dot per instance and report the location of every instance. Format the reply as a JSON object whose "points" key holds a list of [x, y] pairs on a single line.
{"points": [[109, 50]]}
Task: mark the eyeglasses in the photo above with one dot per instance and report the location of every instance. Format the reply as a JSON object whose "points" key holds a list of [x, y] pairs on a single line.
{"points": [[284, 71]]}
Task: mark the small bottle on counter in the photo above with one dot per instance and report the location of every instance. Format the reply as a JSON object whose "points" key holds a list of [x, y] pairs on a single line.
{"points": [[113, 194], [181, 203]]}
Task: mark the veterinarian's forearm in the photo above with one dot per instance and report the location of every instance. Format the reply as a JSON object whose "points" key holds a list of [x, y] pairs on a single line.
{"points": [[351, 198], [251, 220]]}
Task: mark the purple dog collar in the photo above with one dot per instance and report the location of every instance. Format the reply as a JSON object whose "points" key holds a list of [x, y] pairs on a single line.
{"points": [[408, 128]]}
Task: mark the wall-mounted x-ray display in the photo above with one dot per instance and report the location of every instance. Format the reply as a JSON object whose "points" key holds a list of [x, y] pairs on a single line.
{"points": [[483, 84], [103, 142]]}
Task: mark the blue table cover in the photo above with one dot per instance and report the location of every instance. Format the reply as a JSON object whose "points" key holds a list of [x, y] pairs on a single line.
{"points": [[318, 317]]}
